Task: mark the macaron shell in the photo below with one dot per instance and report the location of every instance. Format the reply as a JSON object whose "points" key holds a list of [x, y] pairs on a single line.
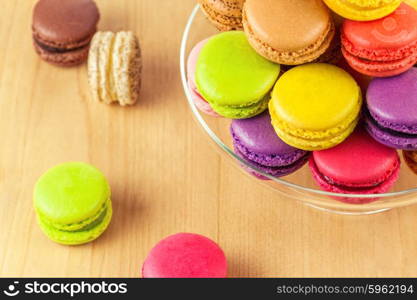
{"points": [[199, 102], [380, 69], [114, 68], [288, 32], [278, 171], [71, 193], [393, 101], [267, 19], [231, 74], [66, 23], [390, 138], [185, 255], [361, 10], [358, 162], [78, 237], [127, 67]]}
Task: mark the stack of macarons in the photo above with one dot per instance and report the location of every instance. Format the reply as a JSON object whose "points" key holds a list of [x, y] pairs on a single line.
{"points": [[319, 80]]}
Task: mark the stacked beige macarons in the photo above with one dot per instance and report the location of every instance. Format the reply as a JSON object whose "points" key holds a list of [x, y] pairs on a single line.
{"points": [[114, 67], [224, 14]]}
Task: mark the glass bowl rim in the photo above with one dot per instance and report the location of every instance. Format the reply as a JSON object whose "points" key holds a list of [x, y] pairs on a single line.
{"points": [[219, 142]]}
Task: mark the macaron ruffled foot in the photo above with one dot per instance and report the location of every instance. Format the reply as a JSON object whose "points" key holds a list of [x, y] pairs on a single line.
{"points": [[391, 110], [233, 78], [256, 142], [185, 255], [62, 30], [226, 15], [360, 165]]}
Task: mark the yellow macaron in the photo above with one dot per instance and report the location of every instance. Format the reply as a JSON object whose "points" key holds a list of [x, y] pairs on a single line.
{"points": [[412, 3], [363, 10], [315, 106]]}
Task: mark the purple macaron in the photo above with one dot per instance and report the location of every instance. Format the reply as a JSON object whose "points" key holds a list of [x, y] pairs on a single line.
{"points": [[391, 114], [256, 142]]}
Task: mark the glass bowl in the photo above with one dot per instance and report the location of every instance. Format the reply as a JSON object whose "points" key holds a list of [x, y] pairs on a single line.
{"points": [[299, 186]]}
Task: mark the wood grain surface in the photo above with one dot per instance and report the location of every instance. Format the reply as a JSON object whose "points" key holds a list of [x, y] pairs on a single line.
{"points": [[165, 176]]}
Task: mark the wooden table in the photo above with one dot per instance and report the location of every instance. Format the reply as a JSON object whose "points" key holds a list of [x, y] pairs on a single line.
{"points": [[164, 175]]}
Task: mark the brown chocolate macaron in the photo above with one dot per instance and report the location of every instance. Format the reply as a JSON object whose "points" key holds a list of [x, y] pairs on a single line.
{"points": [[289, 32], [62, 30], [224, 14]]}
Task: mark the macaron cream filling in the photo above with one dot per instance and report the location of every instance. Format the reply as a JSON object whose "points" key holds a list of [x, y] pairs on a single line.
{"points": [[312, 137]]}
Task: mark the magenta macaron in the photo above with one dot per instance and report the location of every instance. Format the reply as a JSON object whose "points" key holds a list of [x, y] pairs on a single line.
{"points": [[383, 47], [185, 255], [360, 165], [198, 100]]}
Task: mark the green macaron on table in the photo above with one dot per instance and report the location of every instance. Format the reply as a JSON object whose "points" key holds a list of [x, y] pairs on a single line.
{"points": [[88, 189], [299, 186]]}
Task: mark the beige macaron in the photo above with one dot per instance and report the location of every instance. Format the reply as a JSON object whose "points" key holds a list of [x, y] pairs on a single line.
{"points": [[224, 14], [114, 67]]}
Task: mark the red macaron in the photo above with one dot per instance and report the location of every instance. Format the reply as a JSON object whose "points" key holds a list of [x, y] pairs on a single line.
{"points": [[360, 165], [185, 255], [383, 47]]}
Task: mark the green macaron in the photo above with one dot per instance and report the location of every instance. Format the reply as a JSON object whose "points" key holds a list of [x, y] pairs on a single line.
{"points": [[233, 78], [72, 203]]}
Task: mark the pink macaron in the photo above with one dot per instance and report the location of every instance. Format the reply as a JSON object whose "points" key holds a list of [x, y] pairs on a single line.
{"points": [[199, 101], [185, 255], [360, 165]]}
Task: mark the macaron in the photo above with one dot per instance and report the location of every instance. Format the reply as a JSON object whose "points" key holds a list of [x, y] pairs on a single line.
{"points": [[412, 3], [360, 165], [257, 143], [315, 106], [114, 67], [62, 30], [226, 15], [198, 100], [185, 255], [363, 10], [410, 157], [384, 47], [72, 203], [233, 78], [288, 32], [391, 114]]}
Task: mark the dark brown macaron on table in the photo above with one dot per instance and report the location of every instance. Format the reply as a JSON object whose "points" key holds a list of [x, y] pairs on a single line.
{"points": [[63, 29]]}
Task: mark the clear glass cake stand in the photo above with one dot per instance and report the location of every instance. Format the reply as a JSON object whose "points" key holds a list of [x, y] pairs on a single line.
{"points": [[299, 186]]}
